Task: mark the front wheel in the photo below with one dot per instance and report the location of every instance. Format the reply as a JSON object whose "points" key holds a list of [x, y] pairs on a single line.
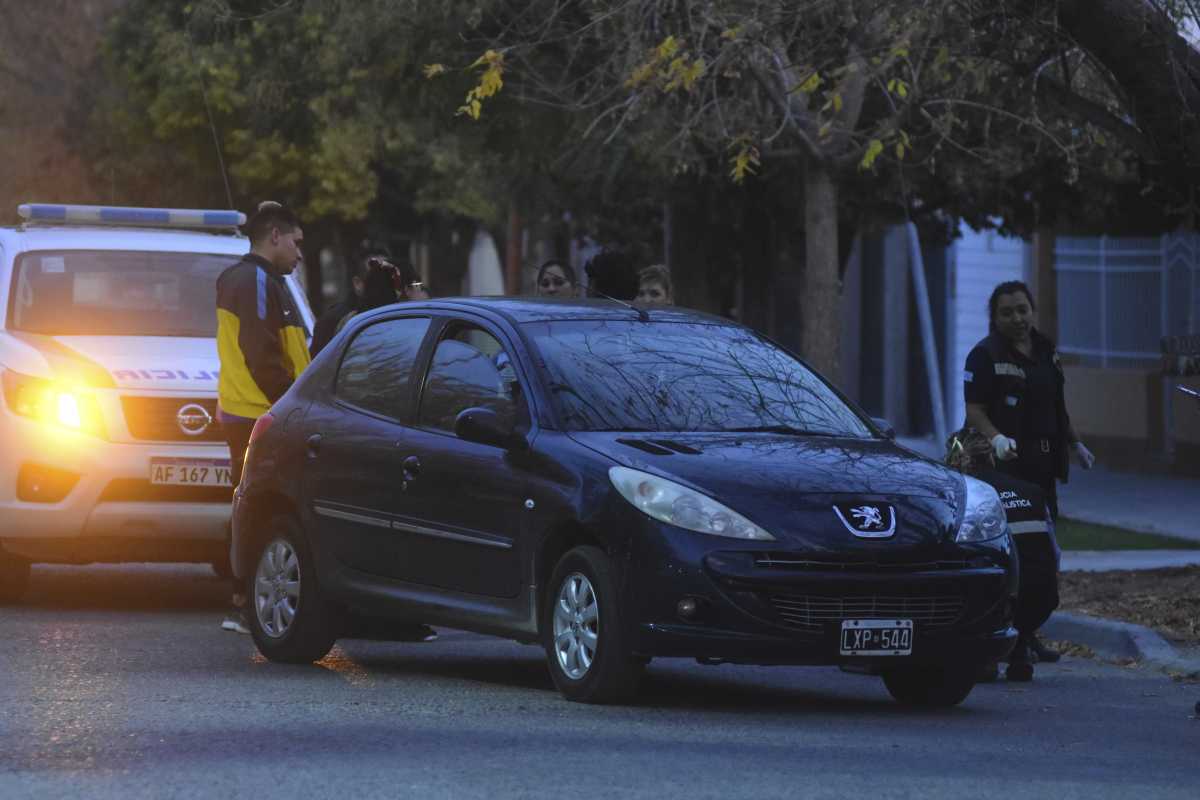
{"points": [[14, 578], [584, 630], [289, 620], [930, 687]]}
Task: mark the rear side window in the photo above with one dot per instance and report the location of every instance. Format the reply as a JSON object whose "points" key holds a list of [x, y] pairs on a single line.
{"points": [[376, 371]]}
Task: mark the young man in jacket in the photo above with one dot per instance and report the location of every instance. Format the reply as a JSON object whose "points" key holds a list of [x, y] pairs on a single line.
{"points": [[260, 340]]}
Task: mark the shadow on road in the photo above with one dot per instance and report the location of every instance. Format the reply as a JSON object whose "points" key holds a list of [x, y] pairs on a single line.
{"points": [[127, 587]]}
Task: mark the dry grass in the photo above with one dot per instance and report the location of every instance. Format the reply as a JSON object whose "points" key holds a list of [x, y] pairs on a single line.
{"points": [[1167, 600]]}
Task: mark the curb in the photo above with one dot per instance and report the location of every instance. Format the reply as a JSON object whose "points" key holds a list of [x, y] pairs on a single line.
{"points": [[1119, 640], [1133, 525]]}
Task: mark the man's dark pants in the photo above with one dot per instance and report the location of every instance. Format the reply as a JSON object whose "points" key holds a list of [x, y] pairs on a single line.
{"points": [[237, 436]]}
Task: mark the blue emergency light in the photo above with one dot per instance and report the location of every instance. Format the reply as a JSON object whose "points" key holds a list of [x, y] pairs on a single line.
{"points": [[123, 215]]}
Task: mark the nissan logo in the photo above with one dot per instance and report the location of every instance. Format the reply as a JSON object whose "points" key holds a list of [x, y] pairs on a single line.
{"points": [[193, 419]]}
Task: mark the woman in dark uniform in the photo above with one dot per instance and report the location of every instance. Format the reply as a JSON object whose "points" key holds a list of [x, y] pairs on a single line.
{"points": [[1013, 387], [1032, 530]]}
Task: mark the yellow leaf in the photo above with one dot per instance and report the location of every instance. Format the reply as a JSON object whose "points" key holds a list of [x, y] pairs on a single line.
{"points": [[433, 70], [745, 162], [874, 148], [810, 84], [667, 48], [732, 33], [900, 150], [837, 101], [824, 130]]}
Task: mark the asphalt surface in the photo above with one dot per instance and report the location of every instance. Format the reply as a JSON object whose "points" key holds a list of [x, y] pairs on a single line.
{"points": [[116, 681]]}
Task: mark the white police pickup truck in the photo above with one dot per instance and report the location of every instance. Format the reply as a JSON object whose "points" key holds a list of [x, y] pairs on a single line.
{"points": [[109, 445]]}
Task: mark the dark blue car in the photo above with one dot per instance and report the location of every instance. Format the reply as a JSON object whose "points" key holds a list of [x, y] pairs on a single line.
{"points": [[616, 484]]}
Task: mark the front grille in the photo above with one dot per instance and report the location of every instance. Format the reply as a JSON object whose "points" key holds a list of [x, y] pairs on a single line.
{"points": [[155, 419], [770, 560], [809, 612], [134, 490]]}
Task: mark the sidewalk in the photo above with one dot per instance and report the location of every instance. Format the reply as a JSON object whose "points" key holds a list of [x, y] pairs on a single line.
{"points": [[1140, 502]]}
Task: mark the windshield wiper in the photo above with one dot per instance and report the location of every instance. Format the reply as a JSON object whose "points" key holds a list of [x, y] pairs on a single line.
{"points": [[786, 429]]}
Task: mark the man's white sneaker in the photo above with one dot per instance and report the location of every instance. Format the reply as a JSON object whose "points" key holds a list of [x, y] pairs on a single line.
{"points": [[235, 621]]}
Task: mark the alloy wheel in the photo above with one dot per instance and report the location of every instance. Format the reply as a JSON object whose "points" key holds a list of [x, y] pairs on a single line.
{"points": [[277, 588], [576, 626]]}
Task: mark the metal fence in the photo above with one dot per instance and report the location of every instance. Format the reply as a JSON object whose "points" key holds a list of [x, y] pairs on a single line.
{"points": [[1117, 297]]}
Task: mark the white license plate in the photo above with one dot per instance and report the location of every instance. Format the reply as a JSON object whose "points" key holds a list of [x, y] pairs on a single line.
{"points": [[190, 472], [877, 637]]}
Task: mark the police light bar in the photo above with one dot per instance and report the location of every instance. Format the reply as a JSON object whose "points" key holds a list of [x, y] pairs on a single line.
{"points": [[123, 215]]}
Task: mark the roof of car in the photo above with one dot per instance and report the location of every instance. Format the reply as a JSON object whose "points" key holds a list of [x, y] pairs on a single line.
{"points": [[551, 309], [86, 237]]}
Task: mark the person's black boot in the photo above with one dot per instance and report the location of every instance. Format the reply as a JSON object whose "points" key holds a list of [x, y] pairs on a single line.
{"points": [[1020, 663], [1043, 653]]}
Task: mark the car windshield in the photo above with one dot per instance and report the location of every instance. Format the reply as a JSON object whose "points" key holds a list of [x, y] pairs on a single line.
{"points": [[670, 376], [116, 293]]}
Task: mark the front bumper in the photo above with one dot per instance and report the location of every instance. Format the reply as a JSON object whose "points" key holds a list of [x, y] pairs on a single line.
{"points": [[111, 497], [752, 610]]}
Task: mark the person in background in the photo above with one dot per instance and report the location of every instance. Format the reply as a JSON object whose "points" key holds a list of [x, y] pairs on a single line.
{"points": [[327, 323], [260, 341], [654, 286], [612, 275], [556, 279], [1032, 526]]}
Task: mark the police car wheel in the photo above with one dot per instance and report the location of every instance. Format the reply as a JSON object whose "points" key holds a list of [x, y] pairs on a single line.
{"points": [[931, 687], [14, 578], [288, 619], [584, 630]]}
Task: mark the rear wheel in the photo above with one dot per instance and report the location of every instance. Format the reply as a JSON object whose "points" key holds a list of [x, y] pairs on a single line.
{"points": [[931, 687], [14, 578], [289, 620], [584, 630]]}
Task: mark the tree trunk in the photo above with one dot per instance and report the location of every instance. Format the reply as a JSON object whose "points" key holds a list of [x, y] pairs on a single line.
{"points": [[820, 297], [512, 252]]}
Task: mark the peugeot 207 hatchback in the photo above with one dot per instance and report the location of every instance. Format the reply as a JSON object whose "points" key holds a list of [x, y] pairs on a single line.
{"points": [[616, 484]]}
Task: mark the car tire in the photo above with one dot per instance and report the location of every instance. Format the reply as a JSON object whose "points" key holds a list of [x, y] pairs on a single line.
{"points": [[14, 578], [931, 687], [589, 656], [289, 620]]}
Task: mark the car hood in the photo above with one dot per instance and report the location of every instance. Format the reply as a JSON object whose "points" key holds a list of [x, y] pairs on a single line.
{"points": [[790, 485], [123, 362]]}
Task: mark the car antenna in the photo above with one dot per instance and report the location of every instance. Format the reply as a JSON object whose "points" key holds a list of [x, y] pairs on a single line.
{"points": [[643, 314]]}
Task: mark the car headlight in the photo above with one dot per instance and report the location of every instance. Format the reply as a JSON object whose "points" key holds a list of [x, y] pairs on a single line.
{"points": [[983, 518], [677, 505], [53, 403]]}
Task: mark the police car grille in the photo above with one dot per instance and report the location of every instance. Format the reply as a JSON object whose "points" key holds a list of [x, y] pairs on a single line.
{"points": [[155, 419], [810, 612]]}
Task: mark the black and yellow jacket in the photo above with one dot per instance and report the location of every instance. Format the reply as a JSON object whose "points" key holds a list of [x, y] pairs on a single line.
{"points": [[260, 338]]}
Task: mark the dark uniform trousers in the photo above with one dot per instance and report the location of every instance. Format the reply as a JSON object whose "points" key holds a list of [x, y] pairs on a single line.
{"points": [[1025, 506]]}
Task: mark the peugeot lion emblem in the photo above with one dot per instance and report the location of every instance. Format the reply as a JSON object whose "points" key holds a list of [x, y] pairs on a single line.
{"points": [[193, 419], [867, 520]]}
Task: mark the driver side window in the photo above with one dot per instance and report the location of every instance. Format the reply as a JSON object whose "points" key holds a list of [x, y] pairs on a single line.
{"points": [[470, 369]]}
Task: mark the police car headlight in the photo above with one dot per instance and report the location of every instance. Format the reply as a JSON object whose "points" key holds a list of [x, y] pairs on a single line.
{"points": [[53, 403], [677, 505], [983, 518]]}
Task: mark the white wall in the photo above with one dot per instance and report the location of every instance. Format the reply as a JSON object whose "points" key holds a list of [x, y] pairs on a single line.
{"points": [[979, 261]]}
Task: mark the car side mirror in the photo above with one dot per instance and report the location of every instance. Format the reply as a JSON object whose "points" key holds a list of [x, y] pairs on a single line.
{"points": [[483, 426], [885, 427]]}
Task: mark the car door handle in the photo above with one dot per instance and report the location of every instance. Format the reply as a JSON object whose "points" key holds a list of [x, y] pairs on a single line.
{"points": [[412, 468], [314, 445]]}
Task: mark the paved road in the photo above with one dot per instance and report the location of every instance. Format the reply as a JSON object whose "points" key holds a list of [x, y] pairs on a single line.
{"points": [[115, 682]]}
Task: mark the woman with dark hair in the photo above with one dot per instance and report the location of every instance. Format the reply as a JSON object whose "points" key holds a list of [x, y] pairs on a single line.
{"points": [[555, 279], [1014, 391]]}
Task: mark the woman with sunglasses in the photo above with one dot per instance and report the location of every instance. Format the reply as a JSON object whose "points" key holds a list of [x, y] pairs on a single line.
{"points": [[555, 279]]}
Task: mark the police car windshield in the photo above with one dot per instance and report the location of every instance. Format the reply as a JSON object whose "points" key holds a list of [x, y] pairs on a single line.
{"points": [[670, 376], [116, 293]]}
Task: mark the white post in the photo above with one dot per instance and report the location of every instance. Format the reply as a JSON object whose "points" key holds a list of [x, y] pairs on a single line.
{"points": [[932, 367]]}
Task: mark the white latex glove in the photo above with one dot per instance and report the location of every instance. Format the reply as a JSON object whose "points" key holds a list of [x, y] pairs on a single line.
{"points": [[1004, 447], [1083, 455]]}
